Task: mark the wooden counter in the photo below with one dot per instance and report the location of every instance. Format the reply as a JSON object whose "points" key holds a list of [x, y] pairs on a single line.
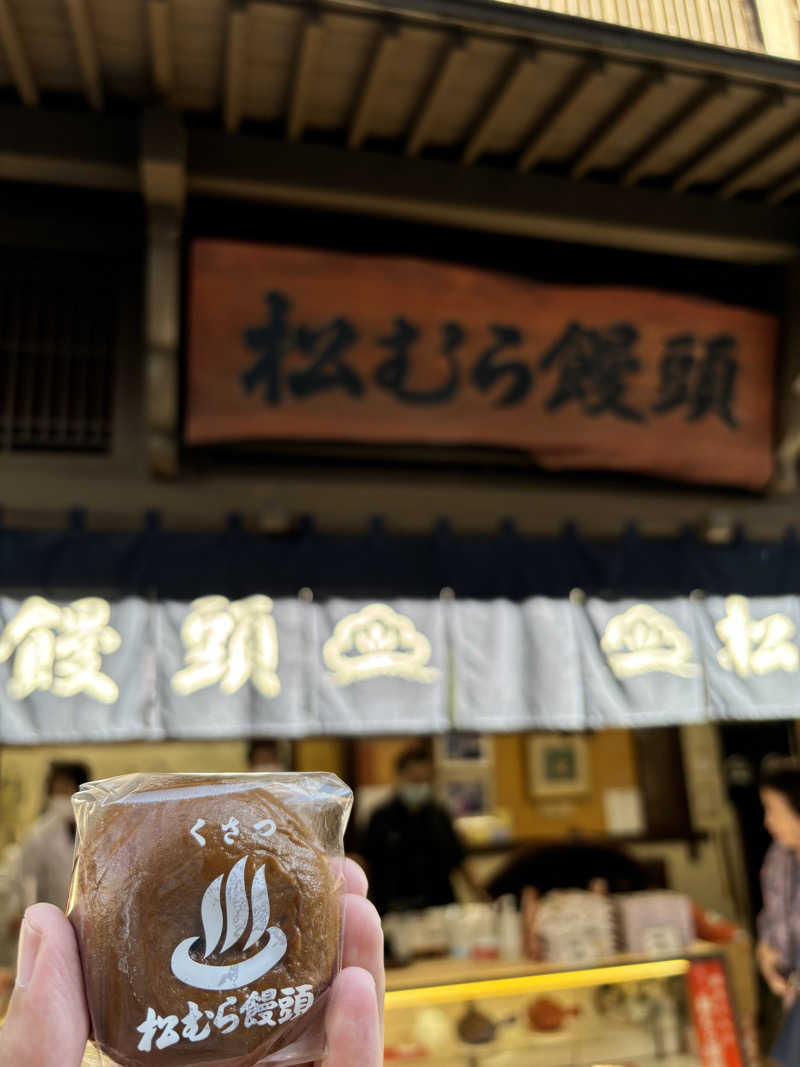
{"points": [[448, 969]]}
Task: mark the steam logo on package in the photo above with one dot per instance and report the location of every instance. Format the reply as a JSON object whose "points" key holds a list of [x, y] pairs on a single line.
{"points": [[235, 914]]}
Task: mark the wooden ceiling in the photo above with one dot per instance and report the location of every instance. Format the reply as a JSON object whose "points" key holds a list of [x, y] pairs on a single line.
{"points": [[472, 83]]}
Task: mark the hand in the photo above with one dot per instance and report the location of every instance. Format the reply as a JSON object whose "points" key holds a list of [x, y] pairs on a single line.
{"points": [[48, 1021], [354, 1021], [769, 961], [47, 1018]]}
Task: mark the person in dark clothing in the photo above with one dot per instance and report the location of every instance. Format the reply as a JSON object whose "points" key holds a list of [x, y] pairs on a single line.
{"points": [[411, 845]]}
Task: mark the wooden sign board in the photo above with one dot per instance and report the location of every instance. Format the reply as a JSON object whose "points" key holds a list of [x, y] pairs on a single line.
{"points": [[295, 344]]}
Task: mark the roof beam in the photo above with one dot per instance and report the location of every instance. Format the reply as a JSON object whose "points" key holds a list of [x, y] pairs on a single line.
{"points": [[86, 50], [449, 63], [535, 142], [637, 164], [160, 30], [599, 139], [235, 55], [688, 173], [514, 77], [534, 205], [100, 152], [69, 149], [737, 181], [380, 62], [17, 57], [305, 68]]}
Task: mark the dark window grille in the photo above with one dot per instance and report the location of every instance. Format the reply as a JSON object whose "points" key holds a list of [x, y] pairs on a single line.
{"points": [[57, 346]]}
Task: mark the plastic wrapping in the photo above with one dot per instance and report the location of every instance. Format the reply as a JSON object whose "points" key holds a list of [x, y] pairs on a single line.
{"points": [[208, 910]]}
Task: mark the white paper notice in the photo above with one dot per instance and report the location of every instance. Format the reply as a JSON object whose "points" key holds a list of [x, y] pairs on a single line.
{"points": [[624, 811]]}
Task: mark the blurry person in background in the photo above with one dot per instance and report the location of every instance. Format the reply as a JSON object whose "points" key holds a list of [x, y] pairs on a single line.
{"points": [[778, 951], [410, 845], [45, 860], [265, 754], [39, 868]]}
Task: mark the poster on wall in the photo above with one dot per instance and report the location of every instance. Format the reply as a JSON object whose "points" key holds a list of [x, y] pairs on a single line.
{"points": [[295, 344]]}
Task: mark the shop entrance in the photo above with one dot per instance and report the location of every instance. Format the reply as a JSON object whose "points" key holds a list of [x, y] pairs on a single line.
{"points": [[745, 746]]}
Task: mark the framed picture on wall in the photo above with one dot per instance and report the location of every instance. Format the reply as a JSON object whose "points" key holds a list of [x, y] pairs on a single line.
{"points": [[464, 762], [464, 748], [558, 765], [464, 796]]}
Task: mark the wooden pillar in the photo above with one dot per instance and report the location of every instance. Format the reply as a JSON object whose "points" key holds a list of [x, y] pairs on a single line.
{"points": [[787, 452], [162, 173], [663, 782]]}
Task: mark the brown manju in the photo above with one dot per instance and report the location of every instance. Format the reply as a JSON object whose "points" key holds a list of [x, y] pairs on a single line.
{"points": [[207, 913]]}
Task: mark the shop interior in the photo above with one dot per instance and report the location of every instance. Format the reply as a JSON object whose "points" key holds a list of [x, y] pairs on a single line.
{"points": [[588, 823]]}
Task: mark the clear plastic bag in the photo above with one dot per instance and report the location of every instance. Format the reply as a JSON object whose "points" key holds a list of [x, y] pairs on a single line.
{"points": [[208, 910]]}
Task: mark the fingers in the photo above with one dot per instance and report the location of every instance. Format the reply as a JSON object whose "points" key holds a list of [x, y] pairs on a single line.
{"points": [[363, 939], [47, 1019], [353, 1028], [352, 876], [768, 959], [767, 955], [355, 880], [363, 945], [776, 982]]}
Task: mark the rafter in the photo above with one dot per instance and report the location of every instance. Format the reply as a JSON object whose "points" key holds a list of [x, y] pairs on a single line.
{"points": [[160, 31], [637, 164], [719, 142], [86, 51], [740, 177], [448, 66], [305, 68], [532, 149], [379, 65], [591, 150], [513, 78], [235, 55], [17, 57]]}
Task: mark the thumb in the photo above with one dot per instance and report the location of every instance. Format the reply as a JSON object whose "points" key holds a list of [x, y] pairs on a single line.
{"points": [[47, 1019]]}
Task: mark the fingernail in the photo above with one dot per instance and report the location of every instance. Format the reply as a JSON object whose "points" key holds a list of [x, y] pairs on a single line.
{"points": [[30, 940]]}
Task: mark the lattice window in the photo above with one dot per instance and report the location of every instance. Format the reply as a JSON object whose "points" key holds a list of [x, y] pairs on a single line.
{"points": [[57, 346]]}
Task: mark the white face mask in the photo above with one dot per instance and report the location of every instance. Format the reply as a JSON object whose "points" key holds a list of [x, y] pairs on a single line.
{"points": [[60, 805], [271, 766], [416, 794]]}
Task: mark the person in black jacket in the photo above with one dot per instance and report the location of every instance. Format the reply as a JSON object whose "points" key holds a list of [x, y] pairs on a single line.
{"points": [[411, 845]]}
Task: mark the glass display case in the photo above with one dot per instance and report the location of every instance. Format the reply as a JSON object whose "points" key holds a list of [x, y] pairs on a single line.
{"points": [[673, 1012]]}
